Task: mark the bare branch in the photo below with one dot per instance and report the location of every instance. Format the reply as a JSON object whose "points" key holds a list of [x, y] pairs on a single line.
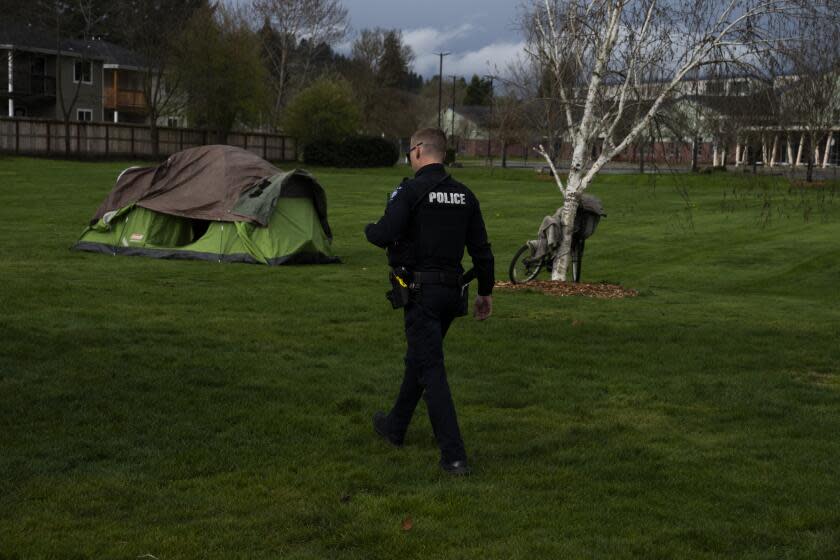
{"points": [[540, 150]]}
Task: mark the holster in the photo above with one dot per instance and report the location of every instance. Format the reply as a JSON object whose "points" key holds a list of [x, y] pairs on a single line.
{"points": [[400, 294], [464, 302], [468, 277]]}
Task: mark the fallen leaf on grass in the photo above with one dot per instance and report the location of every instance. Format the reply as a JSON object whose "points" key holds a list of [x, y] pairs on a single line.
{"points": [[407, 524], [600, 291]]}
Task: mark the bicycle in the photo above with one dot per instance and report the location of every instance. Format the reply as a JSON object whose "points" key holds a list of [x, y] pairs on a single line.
{"points": [[540, 253], [524, 267]]}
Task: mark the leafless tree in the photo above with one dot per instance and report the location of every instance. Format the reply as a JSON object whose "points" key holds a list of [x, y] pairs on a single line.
{"points": [[811, 101], [292, 31], [542, 112], [603, 54], [152, 30], [508, 123], [72, 25]]}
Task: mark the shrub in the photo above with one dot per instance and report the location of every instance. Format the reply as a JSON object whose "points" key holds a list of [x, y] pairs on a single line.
{"points": [[357, 151], [324, 111]]}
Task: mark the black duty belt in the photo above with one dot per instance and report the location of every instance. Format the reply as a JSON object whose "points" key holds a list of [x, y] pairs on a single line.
{"points": [[437, 277]]}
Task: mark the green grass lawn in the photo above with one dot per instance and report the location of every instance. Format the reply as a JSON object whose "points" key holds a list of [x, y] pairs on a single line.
{"points": [[199, 410]]}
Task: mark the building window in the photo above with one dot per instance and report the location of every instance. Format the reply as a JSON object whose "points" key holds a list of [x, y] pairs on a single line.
{"points": [[84, 115], [39, 66], [173, 122], [83, 72]]}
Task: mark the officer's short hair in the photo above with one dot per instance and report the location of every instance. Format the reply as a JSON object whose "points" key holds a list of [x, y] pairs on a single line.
{"points": [[433, 139]]}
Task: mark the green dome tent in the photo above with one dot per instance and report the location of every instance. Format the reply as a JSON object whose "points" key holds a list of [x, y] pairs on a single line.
{"points": [[216, 203]]}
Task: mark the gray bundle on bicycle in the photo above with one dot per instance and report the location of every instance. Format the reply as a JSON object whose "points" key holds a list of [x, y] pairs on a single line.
{"points": [[550, 233]]}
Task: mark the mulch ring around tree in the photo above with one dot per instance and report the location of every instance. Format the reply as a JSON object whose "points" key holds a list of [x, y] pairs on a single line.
{"points": [[562, 289]]}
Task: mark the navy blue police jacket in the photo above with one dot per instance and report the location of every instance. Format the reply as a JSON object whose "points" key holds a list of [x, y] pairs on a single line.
{"points": [[430, 233]]}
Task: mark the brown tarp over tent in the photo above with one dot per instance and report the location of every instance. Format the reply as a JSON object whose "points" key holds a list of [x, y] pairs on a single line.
{"points": [[185, 207], [202, 183]]}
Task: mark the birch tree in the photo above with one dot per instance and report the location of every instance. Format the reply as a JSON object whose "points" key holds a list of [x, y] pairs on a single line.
{"points": [[603, 53]]}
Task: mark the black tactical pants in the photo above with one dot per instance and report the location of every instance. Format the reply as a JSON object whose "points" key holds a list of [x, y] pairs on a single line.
{"points": [[426, 323]]}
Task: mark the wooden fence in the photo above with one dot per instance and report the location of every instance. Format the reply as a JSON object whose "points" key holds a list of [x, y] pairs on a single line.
{"points": [[36, 137]]}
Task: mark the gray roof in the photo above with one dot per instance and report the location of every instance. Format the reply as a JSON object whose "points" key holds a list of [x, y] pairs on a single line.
{"points": [[27, 37], [115, 54]]}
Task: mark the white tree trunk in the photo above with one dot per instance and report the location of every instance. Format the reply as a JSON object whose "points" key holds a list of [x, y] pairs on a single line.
{"points": [[827, 149], [775, 151], [799, 151], [715, 156], [789, 151], [559, 272]]}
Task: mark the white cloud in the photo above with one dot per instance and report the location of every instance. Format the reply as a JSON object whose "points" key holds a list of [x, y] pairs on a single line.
{"points": [[428, 39], [345, 47], [492, 58]]}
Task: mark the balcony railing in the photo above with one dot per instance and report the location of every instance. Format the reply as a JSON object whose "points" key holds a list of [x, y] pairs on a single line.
{"points": [[124, 99], [32, 85]]}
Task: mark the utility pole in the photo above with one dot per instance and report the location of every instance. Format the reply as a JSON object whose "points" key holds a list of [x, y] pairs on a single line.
{"points": [[440, 88], [452, 126], [490, 123]]}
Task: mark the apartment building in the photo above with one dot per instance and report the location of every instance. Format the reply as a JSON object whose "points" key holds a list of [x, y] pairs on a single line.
{"points": [[91, 80]]}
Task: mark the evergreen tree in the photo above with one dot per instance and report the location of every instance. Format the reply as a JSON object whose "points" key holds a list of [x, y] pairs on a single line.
{"points": [[479, 92], [413, 82], [393, 64]]}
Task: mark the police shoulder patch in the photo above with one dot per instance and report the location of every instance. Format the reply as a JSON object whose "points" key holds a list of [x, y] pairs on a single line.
{"points": [[399, 188]]}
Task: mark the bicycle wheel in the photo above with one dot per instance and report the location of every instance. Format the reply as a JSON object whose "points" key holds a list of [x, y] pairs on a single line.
{"points": [[523, 268]]}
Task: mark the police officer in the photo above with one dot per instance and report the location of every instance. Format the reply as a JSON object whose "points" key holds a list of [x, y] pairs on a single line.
{"points": [[427, 223]]}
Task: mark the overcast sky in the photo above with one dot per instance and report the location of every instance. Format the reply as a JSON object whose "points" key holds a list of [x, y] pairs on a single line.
{"points": [[481, 34]]}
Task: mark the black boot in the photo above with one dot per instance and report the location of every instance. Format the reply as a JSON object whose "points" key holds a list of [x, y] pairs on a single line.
{"points": [[380, 426], [457, 468]]}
